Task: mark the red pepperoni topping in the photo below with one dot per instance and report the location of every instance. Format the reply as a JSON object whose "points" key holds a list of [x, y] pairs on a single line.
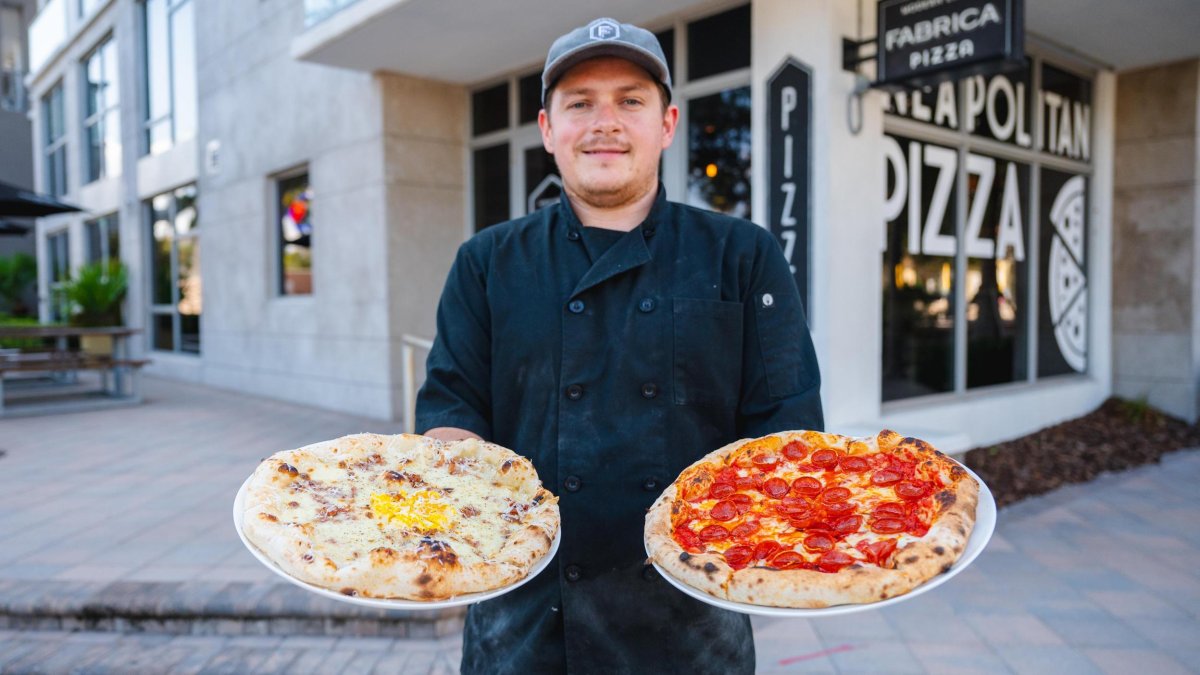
{"points": [[714, 533], [792, 504], [818, 542], [893, 509], [847, 524], [916, 528], [721, 490], [738, 556], [724, 511], [795, 451], [835, 494], [744, 530], [806, 485], [826, 459], [727, 475], [743, 503], [766, 549], [886, 477], [887, 525], [688, 539], [804, 521], [749, 482], [832, 561], [854, 464], [787, 560], [877, 552], [765, 462], [912, 489], [839, 508], [775, 487]]}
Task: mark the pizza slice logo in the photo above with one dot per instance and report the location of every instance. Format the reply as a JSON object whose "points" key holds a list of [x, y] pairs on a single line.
{"points": [[1068, 281]]}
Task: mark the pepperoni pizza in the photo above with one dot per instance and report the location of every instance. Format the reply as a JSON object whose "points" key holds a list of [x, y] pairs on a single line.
{"points": [[806, 519]]}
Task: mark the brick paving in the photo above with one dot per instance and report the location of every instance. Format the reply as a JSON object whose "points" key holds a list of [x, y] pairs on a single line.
{"points": [[118, 555]]}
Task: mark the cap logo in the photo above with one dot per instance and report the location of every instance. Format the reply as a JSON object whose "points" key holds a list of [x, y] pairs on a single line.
{"points": [[605, 29]]}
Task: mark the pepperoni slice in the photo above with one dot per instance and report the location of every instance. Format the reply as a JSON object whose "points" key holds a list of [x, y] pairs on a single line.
{"points": [[743, 503], [795, 451], [887, 525], [723, 511], [744, 530], [804, 522], [794, 504], [688, 539], [806, 485], [886, 477], [835, 494], [854, 464], [832, 561], [727, 475], [775, 487], [893, 509], [765, 462], [738, 556], [915, 527], [721, 490], [877, 552], [818, 542], [787, 560], [912, 489], [826, 459], [749, 482], [766, 549], [847, 524], [714, 533], [839, 508]]}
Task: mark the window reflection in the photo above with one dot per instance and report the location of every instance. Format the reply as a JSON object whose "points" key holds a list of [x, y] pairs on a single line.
{"points": [[295, 236], [719, 152]]}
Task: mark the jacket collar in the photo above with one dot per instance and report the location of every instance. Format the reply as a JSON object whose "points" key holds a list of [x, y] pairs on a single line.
{"points": [[629, 252]]}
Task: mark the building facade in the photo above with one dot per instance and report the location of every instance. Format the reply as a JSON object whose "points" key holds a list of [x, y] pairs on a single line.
{"points": [[979, 258]]}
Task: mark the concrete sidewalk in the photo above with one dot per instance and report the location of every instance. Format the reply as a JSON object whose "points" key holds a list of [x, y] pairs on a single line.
{"points": [[117, 554]]}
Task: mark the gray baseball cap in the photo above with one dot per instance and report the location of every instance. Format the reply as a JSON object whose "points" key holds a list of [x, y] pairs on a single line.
{"points": [[606, 37]]}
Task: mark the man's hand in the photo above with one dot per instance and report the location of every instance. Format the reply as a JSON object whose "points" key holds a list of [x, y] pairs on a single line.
{"points": [[450, 434]]}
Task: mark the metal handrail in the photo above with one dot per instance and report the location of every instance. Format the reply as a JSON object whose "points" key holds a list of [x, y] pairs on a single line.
{"points": [[409, 344]]}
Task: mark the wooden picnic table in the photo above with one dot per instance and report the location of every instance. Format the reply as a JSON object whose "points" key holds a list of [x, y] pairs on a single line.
{"points": [[62, 357]]}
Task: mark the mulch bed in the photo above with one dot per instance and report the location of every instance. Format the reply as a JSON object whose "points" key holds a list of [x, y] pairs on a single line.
{"points": [[1116, 436]]}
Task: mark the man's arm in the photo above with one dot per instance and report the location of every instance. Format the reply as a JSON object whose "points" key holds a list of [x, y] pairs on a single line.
{"points": [[781, 382], [456, 400]]}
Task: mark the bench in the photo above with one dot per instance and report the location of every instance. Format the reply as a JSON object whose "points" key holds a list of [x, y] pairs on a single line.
{"points": [[70, 362]]}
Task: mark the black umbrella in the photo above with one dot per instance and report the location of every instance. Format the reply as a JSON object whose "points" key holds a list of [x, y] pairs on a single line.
{"points": [[7, 227], [15, 201]]}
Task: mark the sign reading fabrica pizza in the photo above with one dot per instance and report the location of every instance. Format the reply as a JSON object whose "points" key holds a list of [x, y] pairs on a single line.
{"points": [[922, 41]]}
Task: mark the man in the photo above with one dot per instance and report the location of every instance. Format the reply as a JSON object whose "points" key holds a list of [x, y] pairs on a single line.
{"points": [[614, 338]]}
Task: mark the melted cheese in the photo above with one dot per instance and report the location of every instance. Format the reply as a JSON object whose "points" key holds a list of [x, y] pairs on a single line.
{"points": [[423, 510]]}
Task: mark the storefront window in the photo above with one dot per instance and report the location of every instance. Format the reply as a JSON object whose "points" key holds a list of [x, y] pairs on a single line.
{"points": [[996, 305], [101, 114], [1063, 293], [175, 296], [719, 152], [295, 235], [918, 269], [58, 259], [103, 239], [491, 185], [169, 52], [995, 239]]}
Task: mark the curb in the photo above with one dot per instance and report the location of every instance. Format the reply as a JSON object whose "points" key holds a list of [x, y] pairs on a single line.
{"points": [[207, 608]]}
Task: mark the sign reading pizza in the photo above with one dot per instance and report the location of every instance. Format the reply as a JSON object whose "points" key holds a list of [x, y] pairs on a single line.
{"points": [[931, 40], [789, 121]]}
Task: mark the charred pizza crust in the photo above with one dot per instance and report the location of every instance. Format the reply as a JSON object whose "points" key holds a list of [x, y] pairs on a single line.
{"points": [[915, 561], [312, 511]]}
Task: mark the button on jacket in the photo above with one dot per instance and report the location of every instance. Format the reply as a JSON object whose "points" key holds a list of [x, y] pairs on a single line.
{"points": [[613, 374]]}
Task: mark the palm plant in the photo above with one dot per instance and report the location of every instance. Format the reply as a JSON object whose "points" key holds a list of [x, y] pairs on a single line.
{"points": [[16, 273], [94, 294]]}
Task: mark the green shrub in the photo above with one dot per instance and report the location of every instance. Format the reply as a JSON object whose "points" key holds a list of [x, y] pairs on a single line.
{"points": [[94, 294], [17, 272]]}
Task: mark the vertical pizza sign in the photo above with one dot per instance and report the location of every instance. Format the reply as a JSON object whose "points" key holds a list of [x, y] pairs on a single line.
{"points": [[1063, 323], [788, 122]]}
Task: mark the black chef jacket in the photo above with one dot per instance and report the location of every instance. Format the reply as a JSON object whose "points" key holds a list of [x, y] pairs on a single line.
{"points": [[612, 375]]}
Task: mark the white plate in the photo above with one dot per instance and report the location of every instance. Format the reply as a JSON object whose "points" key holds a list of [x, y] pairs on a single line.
{"points": [[985, 524], [384, 603]]}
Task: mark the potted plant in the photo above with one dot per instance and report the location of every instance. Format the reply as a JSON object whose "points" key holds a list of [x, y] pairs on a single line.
{"points": [[94, 294], [16, 273]]}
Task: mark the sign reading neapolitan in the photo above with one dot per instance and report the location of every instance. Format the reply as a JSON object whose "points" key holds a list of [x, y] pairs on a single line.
{"points": [[923, 41], [788, 123]]}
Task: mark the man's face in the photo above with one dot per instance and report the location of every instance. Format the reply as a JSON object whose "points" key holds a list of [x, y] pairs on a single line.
{"points": [[606, 127]]}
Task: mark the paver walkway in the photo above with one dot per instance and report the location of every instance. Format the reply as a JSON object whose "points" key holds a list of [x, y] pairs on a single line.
{"points": [[1102, 577]]}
